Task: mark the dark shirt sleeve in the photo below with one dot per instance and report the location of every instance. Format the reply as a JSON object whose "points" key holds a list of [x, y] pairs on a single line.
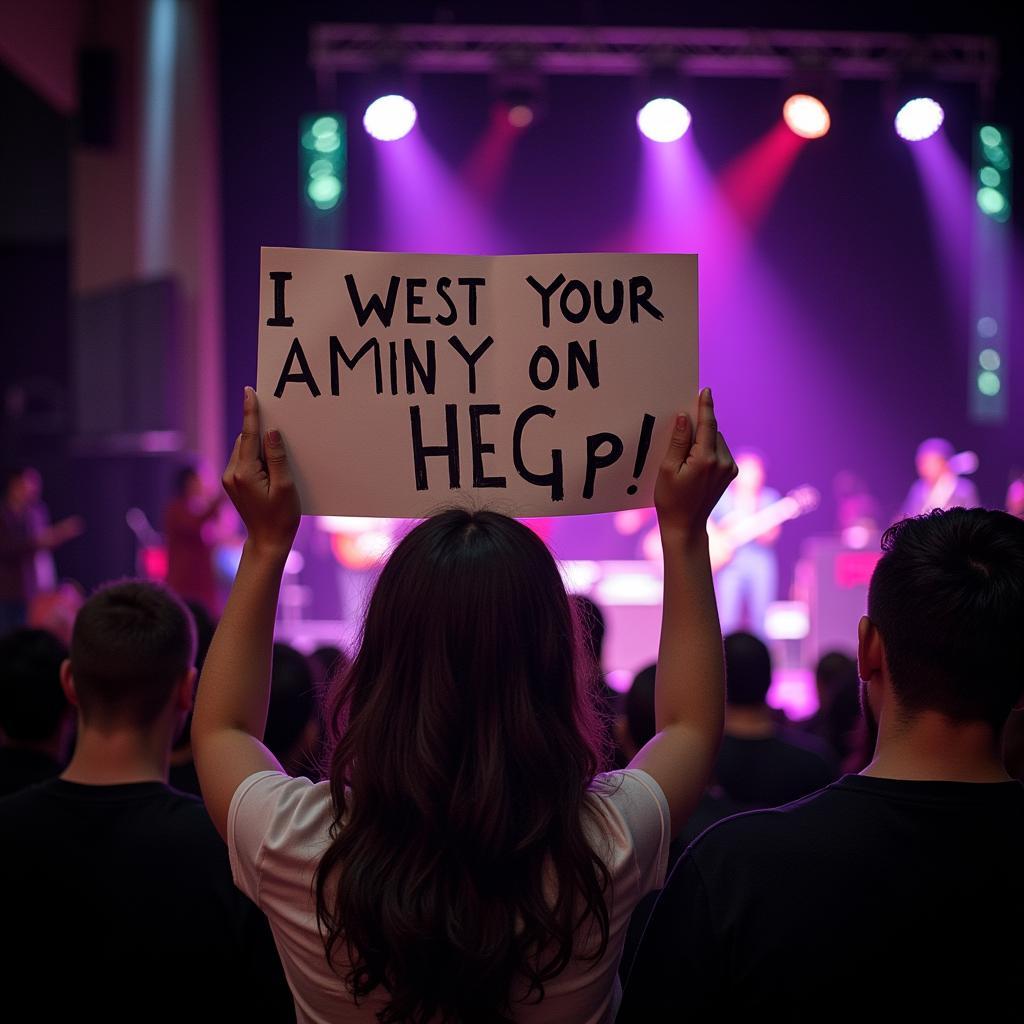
{"points": [[679, 964], [263, 988]]}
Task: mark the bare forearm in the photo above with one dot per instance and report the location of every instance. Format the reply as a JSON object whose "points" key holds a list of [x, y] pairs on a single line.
{"points": [[235, 686], [690, 684]]}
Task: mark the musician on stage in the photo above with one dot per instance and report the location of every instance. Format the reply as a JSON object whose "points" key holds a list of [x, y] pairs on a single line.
{"points": [[749, 580], [189, 530], [27, 538], [939, 483]]}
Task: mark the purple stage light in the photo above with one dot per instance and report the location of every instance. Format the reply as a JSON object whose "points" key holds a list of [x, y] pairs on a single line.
{"points": [[663, 120], [919, 119], [390, 118]]}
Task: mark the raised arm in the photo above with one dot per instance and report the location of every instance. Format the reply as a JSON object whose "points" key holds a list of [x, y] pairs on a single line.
{"points": [[234, 689], [689, 695]]}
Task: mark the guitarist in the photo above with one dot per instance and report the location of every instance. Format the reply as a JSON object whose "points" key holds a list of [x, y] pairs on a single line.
{"points": [[749, 579]]}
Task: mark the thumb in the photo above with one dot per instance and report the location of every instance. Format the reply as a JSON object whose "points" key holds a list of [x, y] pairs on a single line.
{"points": [[276, 457], [681, 441]]}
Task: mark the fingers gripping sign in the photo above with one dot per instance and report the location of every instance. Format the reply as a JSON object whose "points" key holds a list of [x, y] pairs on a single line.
{"points": [[260, 484]]}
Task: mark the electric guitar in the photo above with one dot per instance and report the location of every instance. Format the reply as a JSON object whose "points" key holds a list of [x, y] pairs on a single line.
{"points": [[726, 537]]}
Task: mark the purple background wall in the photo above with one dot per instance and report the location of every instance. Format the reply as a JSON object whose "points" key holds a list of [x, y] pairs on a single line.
{"points": [[834, 344]]}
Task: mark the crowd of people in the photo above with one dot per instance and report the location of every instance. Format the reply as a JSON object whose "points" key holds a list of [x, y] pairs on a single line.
{"points": [[461, 821]]}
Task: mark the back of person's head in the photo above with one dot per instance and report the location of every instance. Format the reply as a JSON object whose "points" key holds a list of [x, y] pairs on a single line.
{"points": [[591, 618], [839, 700], [748, 670], [292, 702], [833, 672], [465, 746], [947, 599], [639, 707], [328, 661], [32, 703], [205, 628], [133, 642]]}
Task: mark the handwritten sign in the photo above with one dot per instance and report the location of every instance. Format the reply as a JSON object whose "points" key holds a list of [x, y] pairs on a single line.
{"points": [[533, 385]]}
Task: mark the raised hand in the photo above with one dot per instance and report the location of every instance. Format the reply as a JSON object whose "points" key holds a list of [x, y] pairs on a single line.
{"points": [[694, 473], [260, 485]]}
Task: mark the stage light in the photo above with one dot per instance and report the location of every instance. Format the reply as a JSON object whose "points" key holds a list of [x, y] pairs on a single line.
{"points": [[991, 202], [989, 383], [991, 274], [325, 191], [520, 94], [987, 327], [919, 119], [989, 359], [389, 118], [806, 116], [992, 155], [322, 160], [663, 120], [520, 116]]}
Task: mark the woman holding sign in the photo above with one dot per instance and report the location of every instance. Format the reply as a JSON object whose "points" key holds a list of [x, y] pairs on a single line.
{"points": [[464, 861]]}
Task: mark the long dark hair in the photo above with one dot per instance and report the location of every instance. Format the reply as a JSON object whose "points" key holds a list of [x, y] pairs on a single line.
{"points": [[465, 743]]}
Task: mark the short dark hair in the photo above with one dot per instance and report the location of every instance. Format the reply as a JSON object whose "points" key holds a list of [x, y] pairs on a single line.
{"points": [[205, 628], [32, 703], [748, 670], [132, 642], [639, 706], [835, 671], [947, 598], [292, 700], [328, 661]]}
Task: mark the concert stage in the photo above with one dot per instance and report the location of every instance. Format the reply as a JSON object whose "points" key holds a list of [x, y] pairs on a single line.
{"points": [[629, 594]]}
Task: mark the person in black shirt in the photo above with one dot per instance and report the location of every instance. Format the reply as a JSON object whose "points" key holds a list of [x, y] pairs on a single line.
{"points": [[762, 763], [899, 889], [33, 709], [118, 903]]}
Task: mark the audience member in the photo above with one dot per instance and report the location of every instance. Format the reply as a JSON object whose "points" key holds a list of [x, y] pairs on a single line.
{"points": [[591, 618], [26, 539], [633, 729], [899, 889], [835, 721], [126, 875], [34, 716], [328, 661], [293, 731], [466, 860], [189, 524], [763, 763], [183, 775]]}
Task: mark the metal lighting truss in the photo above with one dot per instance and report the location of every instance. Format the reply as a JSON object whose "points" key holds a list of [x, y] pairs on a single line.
{"points": [[712, 53]]}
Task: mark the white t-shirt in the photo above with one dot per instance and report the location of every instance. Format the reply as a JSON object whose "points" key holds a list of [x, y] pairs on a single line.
{"points": [[278, 830]]}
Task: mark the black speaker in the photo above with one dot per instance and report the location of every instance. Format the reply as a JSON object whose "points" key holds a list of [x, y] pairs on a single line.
{"points": [[128, 367], [97, 97]]}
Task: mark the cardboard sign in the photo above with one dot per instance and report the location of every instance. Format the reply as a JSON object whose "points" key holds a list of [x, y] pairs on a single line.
{"points": [[532, 385]]}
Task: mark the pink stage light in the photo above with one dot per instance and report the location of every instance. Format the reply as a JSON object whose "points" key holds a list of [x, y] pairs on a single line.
{"points": [[663, 120], [806, 116], [520, 116], [919, 119], [390, 118]]}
